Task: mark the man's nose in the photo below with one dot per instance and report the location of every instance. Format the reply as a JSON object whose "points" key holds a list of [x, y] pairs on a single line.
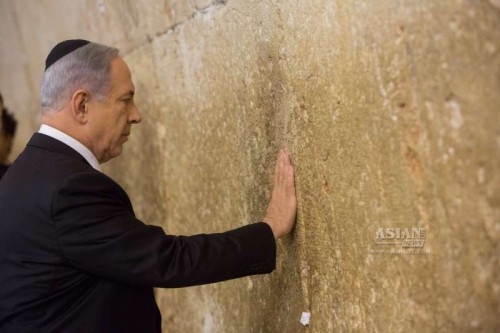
{"points": [[135, 115]]}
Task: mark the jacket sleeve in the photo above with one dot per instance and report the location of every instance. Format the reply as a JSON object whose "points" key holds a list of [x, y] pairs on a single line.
{"points": [[98, 233]]}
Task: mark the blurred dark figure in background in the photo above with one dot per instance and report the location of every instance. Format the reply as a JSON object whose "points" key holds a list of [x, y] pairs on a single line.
{"points": [[7, 133]]}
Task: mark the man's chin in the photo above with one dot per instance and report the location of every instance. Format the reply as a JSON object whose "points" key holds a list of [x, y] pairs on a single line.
{"points": [[115, 153]]}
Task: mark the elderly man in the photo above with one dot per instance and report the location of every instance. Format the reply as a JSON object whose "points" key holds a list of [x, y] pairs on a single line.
{"points": [[73, 256]]}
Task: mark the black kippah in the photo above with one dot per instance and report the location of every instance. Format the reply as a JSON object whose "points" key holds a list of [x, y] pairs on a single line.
{"points": [[62, 49]]}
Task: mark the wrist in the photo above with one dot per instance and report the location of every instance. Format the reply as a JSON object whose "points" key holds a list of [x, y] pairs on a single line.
{"points": [[272, 226]]}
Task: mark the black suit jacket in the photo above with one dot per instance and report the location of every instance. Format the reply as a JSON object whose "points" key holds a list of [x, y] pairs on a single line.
{"points": [[74, 258]]}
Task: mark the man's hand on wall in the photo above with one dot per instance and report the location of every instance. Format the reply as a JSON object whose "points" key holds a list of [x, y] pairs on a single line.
{"points": [[283, 205]]}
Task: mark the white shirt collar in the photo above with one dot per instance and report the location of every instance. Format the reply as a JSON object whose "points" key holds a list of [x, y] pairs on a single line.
{"points": [[73, 143]]}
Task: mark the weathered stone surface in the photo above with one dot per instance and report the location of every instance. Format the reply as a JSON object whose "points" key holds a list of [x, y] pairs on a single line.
{"points": [[390, 111]]}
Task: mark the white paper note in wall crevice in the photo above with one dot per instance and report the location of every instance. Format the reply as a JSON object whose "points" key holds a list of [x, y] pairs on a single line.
{"points": [[305, 317]]}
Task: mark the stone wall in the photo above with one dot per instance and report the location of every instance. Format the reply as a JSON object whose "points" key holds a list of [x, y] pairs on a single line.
{"points": [[390, 110]]}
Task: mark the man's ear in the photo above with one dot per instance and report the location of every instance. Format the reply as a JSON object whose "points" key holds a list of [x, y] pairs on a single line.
{"points": [[79, 105]]}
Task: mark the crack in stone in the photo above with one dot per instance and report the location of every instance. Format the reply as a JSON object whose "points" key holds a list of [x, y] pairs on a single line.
{"points": [[198, 12], [174, 27]]}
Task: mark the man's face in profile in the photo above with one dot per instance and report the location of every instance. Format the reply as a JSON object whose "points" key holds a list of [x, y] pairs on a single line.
{"points": [[110, 119]]}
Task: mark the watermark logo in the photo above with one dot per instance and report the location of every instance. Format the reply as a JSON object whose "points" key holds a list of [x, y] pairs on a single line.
{"points": [[406, 237], [401, 241]]}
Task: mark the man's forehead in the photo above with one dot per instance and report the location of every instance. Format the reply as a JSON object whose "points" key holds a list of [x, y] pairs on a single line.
{"points": [[119, 65], [121, 75]]}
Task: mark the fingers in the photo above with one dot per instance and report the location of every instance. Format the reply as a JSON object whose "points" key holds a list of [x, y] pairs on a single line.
{"points": [[290, 181], [279, 170], [281, 173], [286, 157]]}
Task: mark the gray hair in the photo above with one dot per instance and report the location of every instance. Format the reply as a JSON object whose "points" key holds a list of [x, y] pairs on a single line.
{"points": [[87, 67]]}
